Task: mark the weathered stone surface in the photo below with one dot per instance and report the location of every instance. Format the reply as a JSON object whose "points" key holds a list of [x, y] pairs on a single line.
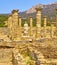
{"points": [[28, 45]]}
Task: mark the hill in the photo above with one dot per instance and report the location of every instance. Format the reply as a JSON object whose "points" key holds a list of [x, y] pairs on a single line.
{"points": [[48, 10]]}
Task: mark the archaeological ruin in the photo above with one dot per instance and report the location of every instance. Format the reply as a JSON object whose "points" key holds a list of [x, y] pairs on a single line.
{"points": [[28, 45]]}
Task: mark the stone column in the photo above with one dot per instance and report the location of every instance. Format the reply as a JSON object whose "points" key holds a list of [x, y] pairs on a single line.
{"points": [[52, 30], [31, 20], [20, 26], [20, 21], [10, 26], [6, 23], [15, 19], [38, 23], [25, 29], [56, 15], [56, 21], [45, 23]]}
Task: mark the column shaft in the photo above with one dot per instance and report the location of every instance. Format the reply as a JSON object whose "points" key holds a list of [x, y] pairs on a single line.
{"points": [[20, 26], [52, 30], [10, 33], [38, 23], [31, 26], [15, 19], [45, 23]]}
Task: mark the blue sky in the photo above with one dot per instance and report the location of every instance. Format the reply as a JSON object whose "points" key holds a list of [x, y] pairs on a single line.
{"points": [[6, 6]]}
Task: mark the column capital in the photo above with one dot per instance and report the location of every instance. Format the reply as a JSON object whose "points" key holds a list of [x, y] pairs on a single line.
{"points": [[45, 16], [38, 8], [30, 17], [20, 17], [9, 15], [15, 11], [56, 9]]}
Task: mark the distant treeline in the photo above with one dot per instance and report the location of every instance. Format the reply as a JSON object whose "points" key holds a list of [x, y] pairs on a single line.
{"points": [[2, 19], [5, 17], [35, 22]]}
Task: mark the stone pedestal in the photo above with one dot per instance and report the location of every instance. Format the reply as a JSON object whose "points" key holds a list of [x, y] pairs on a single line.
{"points": [[38, 23]]}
